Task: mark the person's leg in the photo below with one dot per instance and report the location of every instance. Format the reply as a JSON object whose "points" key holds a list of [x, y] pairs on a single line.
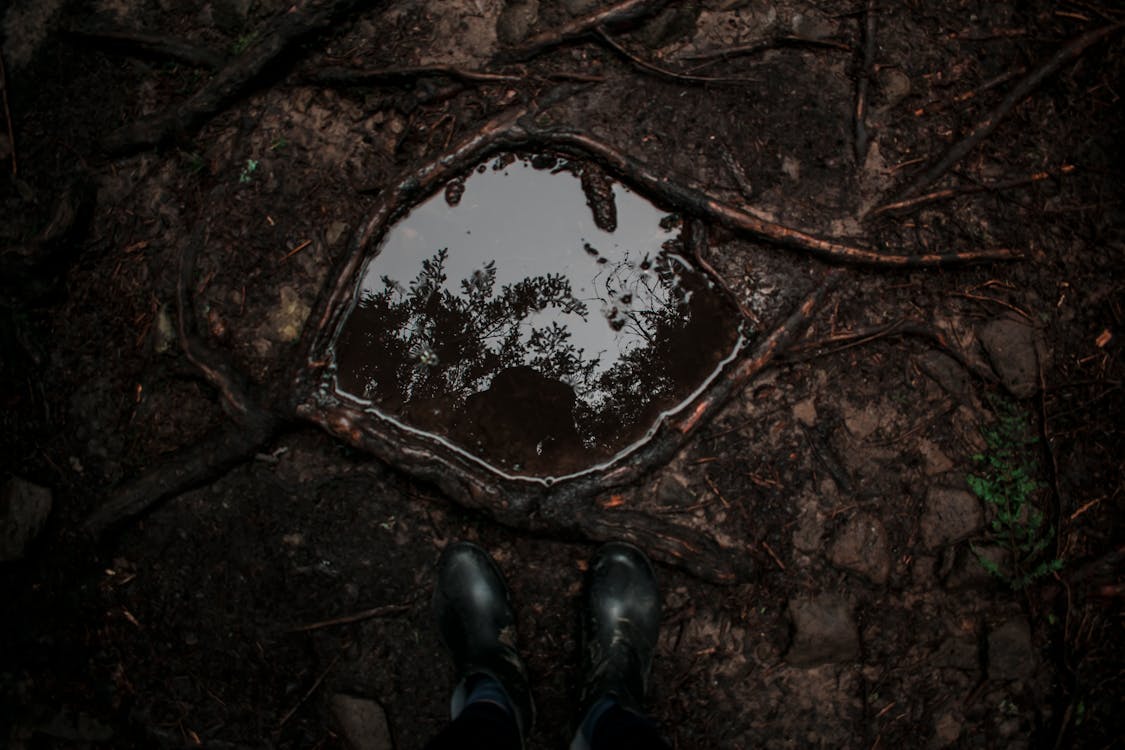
{"points": [[491, 705], [621, 622]]}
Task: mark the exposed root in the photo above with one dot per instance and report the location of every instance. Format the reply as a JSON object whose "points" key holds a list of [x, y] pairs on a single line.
{"points": [[620, 14], [1067, 53], [704, 204], [192, 466], [280, 36], [8, 118], [665, 73], [807, 350], [912, 204], [151, 45]]}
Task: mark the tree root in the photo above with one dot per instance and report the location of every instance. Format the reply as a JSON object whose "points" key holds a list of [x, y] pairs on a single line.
{"points": [[151, 45], [912, 204], [866, 71], [621, 14], [280, 35], [702, 203], [1067, 53]]}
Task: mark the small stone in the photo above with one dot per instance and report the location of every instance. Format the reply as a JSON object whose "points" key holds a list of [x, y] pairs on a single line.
{"points": [[967, 571], [894, 85], [947, 730], [936, 461], [334, 232], [947, 373], [791, 167], [671, 491], [824, 631], [24, 507], [289, 318], [516, 20], [950, 516], [805, 412], [579, 7], [861, 547], [363, 722], [1011, 655], [810, 527], [1013, 349]]}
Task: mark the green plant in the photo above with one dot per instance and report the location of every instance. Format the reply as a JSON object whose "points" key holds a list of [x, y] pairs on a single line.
{"points": [[1006, 482], [243, 42], [245, 175]]}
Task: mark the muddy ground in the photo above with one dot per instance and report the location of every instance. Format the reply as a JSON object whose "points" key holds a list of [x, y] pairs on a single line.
{"points": [[840, 475]]}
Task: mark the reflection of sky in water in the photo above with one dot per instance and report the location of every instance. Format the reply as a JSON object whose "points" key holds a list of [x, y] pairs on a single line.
{"points": [[533, 223]]}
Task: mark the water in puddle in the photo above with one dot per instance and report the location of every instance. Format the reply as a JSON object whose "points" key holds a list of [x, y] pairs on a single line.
{"points": [[502, 316]]}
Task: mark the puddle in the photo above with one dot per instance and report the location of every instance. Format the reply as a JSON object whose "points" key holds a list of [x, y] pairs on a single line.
{"points": [[503, 316]]}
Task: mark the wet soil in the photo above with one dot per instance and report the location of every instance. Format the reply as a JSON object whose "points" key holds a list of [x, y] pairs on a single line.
{"points": [[235, 614]]}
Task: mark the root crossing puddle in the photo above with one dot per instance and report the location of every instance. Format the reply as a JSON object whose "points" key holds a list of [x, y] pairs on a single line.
{"points": [[537, 315]]}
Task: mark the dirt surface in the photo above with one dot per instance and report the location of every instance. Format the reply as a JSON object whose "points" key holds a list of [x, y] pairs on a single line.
{"points": [[842, 473]]}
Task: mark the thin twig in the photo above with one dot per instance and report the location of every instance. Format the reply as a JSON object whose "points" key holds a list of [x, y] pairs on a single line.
{"points": [[743, 50], [367, 614], [610, 42], [338, 76], [1067, 53], [910, 204], [8, 115], [308, 694]]}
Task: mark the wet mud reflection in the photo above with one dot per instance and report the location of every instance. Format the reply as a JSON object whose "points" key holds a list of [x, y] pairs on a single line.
{"points": [[502, 315]]}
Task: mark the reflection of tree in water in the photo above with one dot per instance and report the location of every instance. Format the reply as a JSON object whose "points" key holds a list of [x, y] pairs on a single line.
{"points": [[430, 355]]}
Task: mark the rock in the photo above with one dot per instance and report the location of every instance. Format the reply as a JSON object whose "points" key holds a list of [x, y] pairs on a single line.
{"points": [[516, 20], [967, 571], [947, 373], [950, 516], [363, 722], [1013, 349], [805, 412], [579, 7], [861, 547], [672, 491], [947, 730], [24, 507], [824, 631], [288, 319], [1011, 655], [810, 526], [935, 460]]}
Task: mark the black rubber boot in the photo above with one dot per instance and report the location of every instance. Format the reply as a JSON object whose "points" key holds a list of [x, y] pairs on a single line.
{"points": [[621, 622], [477, 625]]}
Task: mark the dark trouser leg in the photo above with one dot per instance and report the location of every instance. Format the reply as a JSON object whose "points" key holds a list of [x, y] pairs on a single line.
{"points": [[480, 725]]}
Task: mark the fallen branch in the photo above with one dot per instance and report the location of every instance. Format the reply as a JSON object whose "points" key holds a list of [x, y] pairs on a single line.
{"points": [[911, 204], [282, 34], [866, 71], [1067, 53], [151, 45], [704, 204], [621, 14]]}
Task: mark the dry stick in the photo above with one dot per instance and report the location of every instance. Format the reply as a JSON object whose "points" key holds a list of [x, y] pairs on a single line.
{"points": [[616, 15], [8, 115], [864, 83], [1067, 53], [607, 40], [281, 35], [367, 614], [763, 229], [152, 45], [308, 694], [910, 204]]}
